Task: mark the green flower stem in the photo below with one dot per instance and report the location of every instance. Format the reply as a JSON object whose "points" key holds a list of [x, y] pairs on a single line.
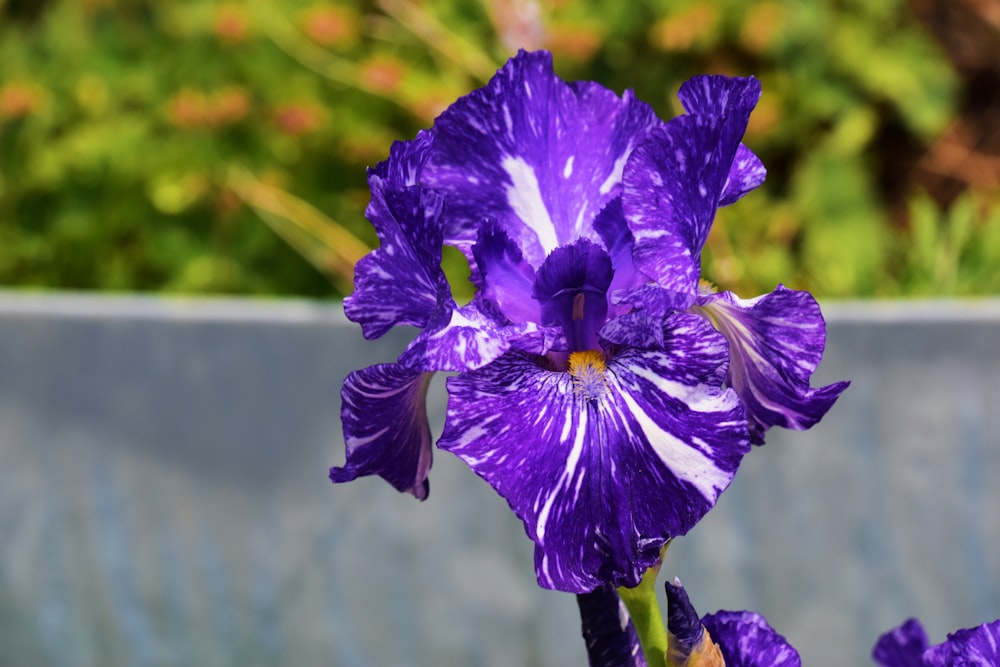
{"points": [[644, 608]]}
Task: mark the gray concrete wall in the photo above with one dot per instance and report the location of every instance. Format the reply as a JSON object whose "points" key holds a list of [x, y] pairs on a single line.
{"points": [[164, 501]]}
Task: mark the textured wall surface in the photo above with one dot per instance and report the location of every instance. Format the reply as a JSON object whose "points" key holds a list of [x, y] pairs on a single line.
{"points": [[164, 501]]}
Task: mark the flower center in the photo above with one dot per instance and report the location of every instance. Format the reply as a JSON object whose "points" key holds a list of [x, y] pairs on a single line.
{"points": [[587, 368]]}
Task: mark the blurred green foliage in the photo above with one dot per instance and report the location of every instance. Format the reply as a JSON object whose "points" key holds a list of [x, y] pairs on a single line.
{"points": [[200, 146]]}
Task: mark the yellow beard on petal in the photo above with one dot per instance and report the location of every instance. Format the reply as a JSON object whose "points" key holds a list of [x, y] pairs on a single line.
{"points": [[588, 371]]}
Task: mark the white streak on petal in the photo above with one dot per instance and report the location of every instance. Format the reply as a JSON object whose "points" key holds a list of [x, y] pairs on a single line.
{"points": [[525, 198], [568, 169], [615, 177], [686, 462], [568, 472]]}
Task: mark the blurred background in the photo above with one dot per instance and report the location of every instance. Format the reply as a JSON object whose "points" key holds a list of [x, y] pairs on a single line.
{"points": [[197, 146]]}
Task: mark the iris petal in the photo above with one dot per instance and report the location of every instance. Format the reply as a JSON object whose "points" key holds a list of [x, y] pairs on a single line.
{"points": [[747, 640], [401, 282], [506, 278], [746, 174], [385, 428], [903, 646], [512, 152], [972, 646], [776, 343], [603, 475], [406, 161], [676, 180], [611, 226], [472, 336]]}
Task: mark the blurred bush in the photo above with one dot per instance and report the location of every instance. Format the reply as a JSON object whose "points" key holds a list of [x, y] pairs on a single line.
{"points": [[202, 146]]}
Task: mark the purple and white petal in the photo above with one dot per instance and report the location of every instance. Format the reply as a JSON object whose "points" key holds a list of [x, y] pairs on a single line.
{"points": [[472, 336], [608, 631], [746, 640], [635, 329], [653, 299], [776, 342], [975, 647], [676, 180], [401, 282], [572, 290], [718, 95], [539, 156], [505, 276], [385, 428], [405, 162], [746, 174], [715, 95], [673, 184], [903, 646], [605, 465]]}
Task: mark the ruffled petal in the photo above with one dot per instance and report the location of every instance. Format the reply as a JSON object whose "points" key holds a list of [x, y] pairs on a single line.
{"points": [[718, 95], [746, 640], [675, 181], [978, 646], [539, 156], [608, 631], [385, 428], [406, 160], [470, 337], [572, 290], [505, 276], [401, 282], [902, 647], [636, 329], [606, 465], [776, 343], [732, 98], [746, 174]]}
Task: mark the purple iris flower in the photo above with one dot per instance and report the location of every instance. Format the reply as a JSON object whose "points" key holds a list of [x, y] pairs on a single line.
{"points": [[907, 646], [600, 390]]}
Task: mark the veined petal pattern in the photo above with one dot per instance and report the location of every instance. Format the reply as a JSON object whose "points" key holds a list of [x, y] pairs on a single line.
{"points": [[512, 152], [604, 474], [400, 282], [385, 427], [776, 343]]}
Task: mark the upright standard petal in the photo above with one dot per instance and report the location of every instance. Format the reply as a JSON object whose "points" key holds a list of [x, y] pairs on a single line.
{"points": [[538, 155], [746, 640], [746, 174], [405, 162], [903, 646], [401, 282], [606, 462], [385, 428], [776, 342], [674, 182], [733, 97]]}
